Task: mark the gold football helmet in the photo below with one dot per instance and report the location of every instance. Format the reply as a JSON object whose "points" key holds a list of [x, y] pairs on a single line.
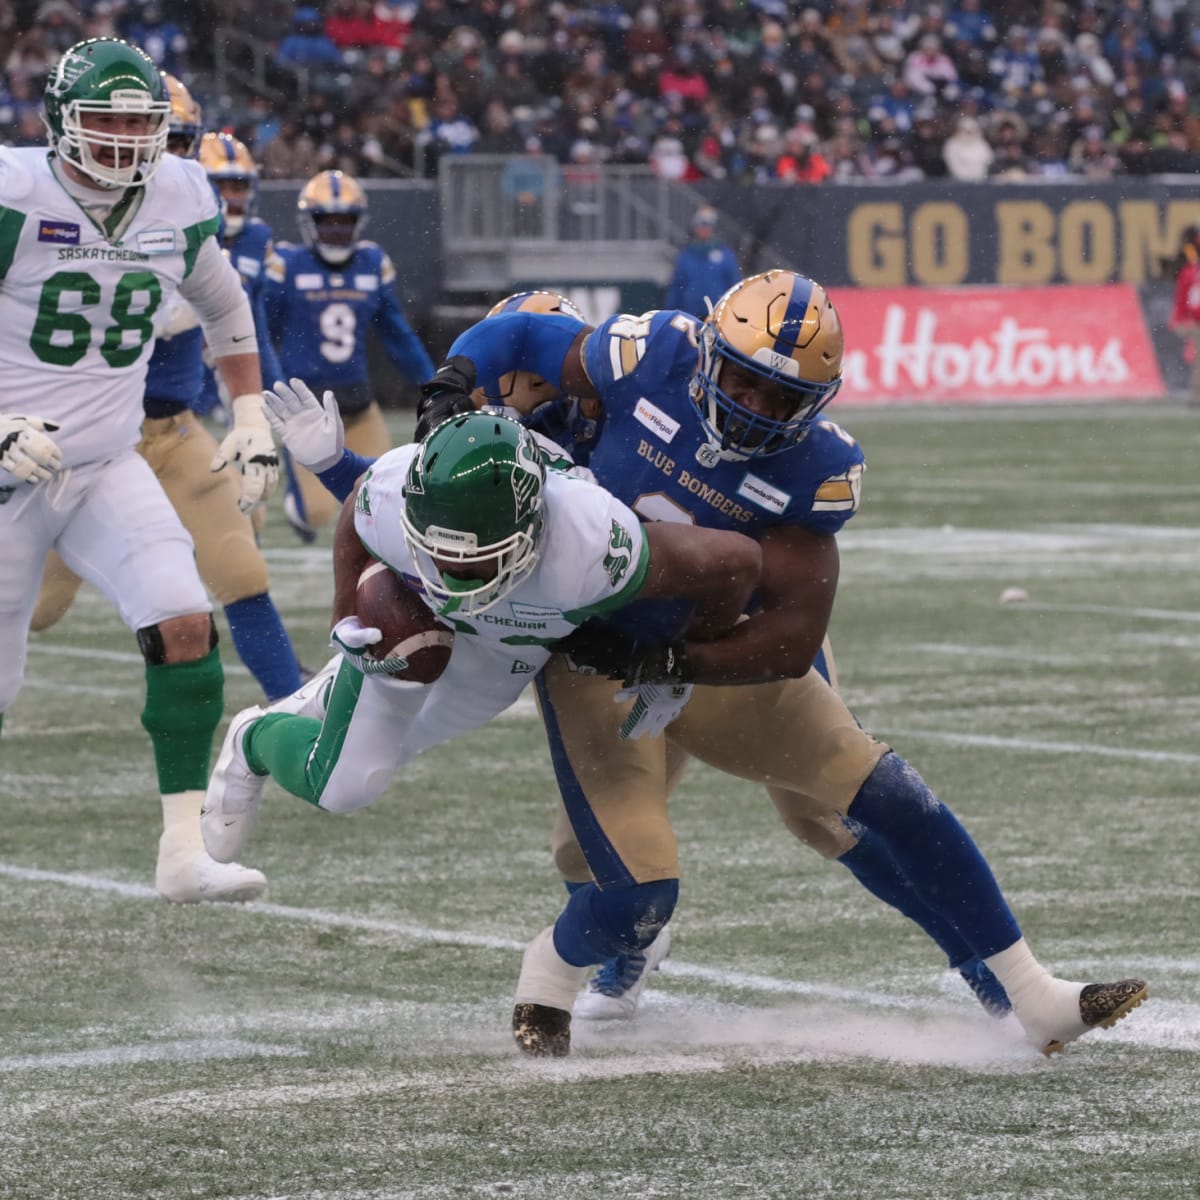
{"points": [[183, 125], [524, 390], [781, 335], [233, 173], [332, 213]]}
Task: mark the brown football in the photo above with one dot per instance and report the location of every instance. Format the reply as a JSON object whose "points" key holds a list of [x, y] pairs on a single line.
{"points": [[413, 637]]}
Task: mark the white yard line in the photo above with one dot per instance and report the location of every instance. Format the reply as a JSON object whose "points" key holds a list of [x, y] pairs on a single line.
{"points": [[1026, 745], [120, 1056]]}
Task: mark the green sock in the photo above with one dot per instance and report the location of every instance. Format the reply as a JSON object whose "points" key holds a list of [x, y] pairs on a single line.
{"points": [[183, 709]]}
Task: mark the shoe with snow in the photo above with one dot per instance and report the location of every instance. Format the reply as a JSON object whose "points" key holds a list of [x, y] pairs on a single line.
{"points": [[300, 527], [989, 991], [541, 1031], [234, 793], [614, 990], [1101, 1006], [192, 877]]}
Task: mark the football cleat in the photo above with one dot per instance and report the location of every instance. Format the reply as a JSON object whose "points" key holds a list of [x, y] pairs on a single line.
{"points": [[300, 527], [989, 991], [234, 793], [1101, 1006], [541, 1031], [614, 990], [190, 876]]}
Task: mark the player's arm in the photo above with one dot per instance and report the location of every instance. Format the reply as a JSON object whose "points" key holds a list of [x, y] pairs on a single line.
{"points": [[399, 339], [350, 558], [215, 290], [548, 345]]}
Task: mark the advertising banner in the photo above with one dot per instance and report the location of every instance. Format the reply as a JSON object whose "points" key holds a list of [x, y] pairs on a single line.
{"points": [[995, 345]]}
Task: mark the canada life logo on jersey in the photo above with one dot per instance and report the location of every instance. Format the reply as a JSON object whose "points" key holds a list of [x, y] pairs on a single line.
{"points": [[58, 233]]}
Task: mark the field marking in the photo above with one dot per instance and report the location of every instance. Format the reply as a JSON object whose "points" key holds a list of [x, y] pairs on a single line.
{"points": [[992, 742], [120, 1056]]}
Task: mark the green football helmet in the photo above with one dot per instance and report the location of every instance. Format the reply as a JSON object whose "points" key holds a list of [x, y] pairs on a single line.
{"points": [[474, 498], [107, 76]]}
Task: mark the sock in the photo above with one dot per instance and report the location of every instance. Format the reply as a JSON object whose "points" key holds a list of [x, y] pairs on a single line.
{"points": [[280, 745], [183, 709], [598, 925], [1047, 1007], [181, 821], [936, 855], [263, 644]]}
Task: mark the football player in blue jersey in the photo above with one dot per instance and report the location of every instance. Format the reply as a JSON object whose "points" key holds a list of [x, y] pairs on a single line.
{"points": [[181, 451], [719, 424], [321, 299], [245, 237]]}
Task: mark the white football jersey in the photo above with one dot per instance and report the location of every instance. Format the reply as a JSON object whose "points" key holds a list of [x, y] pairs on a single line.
{"points": [[77, 311], [593, 558]]}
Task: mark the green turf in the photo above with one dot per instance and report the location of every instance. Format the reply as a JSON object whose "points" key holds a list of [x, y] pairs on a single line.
{"points": [[348, 1039]]}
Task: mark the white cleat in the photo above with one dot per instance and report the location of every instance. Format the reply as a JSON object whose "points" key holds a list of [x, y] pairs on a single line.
{"points": [[192, 877], [234, 793], [614, 990]]}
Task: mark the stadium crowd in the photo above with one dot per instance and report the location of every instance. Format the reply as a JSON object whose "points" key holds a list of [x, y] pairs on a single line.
{"points": [[803, 91]]}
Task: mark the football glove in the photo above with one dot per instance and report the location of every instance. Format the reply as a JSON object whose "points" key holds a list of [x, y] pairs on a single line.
{"points": [[25, 450], [604, 651], [446, 395], [351, 637], [311, 429], [249, 447], [654, 708]]}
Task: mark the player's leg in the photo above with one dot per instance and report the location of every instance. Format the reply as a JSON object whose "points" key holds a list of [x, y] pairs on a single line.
{"points": [[615, 797], [126, 540], [179, 450], [798, 735], [60, 586]]}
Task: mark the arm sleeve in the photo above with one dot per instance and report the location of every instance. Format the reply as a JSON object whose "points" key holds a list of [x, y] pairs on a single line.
{"points": [[403, 346], [342, 476], [267, 357], [517, 341], [215, 290]]}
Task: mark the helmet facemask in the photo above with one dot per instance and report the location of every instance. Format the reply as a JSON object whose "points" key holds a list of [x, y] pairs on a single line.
{"points": [[332, 214]]}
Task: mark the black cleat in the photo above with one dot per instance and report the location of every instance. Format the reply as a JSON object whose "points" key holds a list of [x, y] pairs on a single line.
{"points": [[1102, 1005], [542, 1032]]}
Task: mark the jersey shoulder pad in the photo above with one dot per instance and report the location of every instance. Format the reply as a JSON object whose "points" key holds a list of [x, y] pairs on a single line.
{"points": [[187, 179], [17, 180], [837, 468], [657, 345]]}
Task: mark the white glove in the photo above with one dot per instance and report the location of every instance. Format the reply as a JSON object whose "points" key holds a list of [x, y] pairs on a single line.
{"points": [[177, 317], [351, 637], [26, 451], [656, 706], [311, 429], [251, 449]]}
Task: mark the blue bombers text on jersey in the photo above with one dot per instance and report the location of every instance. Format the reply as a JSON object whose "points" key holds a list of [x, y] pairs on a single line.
{"points": [[319, 315]]}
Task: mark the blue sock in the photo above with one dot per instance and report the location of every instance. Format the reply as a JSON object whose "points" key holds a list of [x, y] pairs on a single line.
{"points": [[263, 644], [598, 925], [936, 855], [872, 864]]}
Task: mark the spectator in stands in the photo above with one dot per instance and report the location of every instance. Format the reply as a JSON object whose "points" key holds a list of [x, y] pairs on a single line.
{"points": [[968, 154], [1091, 155], [704, 269], [291, 154], [307, 44], [163, 40], [801, 161], [929, 70]]}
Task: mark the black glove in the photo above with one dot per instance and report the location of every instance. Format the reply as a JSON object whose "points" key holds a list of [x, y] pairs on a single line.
{"points": [[603, 651], [446, 395]]}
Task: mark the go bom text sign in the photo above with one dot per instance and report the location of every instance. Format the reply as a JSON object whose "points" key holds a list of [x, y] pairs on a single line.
{"points": [[1001, 345]]}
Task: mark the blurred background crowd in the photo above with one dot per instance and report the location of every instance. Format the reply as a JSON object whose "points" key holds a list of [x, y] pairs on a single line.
{"points": [[816, 92]]}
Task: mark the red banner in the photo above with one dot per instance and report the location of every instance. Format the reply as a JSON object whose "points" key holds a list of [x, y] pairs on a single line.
{"points": [[999, 345]]}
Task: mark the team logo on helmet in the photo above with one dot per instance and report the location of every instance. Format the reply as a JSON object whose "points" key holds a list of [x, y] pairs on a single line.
{"points": [[332, 214]]}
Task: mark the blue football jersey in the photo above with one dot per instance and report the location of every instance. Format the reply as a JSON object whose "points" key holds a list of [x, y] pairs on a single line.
{"points": [[319, 315]]}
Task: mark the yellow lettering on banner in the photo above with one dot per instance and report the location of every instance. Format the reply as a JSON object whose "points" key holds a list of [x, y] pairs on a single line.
{"points": [[1147, 240], [940, 245], [1087, 242], [875, 245], [1026, 229]]}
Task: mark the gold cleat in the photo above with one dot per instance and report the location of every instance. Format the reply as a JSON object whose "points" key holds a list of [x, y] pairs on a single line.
{"points": [[1102, 1005], [541, 1031]]}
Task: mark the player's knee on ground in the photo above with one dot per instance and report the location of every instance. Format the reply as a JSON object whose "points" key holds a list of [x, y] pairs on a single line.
{"points": [[178, 639]]}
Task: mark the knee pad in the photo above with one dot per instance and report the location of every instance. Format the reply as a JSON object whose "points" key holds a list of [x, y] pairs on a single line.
{"points": [[597, 925], [154, 651]]}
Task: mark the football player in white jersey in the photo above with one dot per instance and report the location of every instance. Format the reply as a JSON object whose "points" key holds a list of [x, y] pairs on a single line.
{"points": [[514, 557], [95, 237]]}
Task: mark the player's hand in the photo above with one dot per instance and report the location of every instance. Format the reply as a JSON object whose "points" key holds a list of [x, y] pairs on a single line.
{"points": [[602, 651], [351, 638], [446, 395], [25, 449], [249, 447], [311, 429], [655, 706]]}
